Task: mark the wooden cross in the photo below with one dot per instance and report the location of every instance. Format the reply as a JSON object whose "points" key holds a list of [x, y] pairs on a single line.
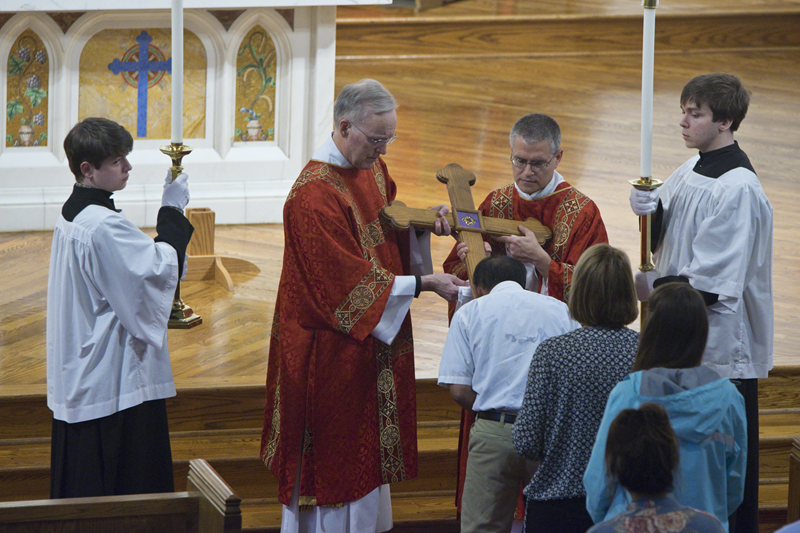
{"points": [[464, 219]]}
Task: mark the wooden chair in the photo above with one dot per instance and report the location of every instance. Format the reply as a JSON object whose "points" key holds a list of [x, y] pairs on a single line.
{"points": [[209, 506]]}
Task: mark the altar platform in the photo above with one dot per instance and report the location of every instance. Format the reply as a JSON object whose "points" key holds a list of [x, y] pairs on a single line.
{"points": [[461, 86]]}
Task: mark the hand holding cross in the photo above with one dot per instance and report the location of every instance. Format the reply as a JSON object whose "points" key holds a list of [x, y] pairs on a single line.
{"points": [[467, 222]]}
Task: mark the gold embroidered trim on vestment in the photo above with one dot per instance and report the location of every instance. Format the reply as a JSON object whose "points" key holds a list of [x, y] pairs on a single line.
{"points": [[392, 467], [566, 214], [373, 234], [362, 297], [274, 430]]}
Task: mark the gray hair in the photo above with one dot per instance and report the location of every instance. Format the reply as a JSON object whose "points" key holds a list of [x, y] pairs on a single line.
{"points": [[536, 128], [358, 100]]}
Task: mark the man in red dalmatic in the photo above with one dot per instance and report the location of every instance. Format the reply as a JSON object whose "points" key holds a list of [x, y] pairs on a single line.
{"points": [[339, 420], [539, 192]]}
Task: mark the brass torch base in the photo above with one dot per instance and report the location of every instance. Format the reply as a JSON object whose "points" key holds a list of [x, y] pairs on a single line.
{"points": [[182, 316], [646, 184]]}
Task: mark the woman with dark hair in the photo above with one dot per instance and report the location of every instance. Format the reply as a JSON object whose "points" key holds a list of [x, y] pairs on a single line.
{"points": [[642, 455], [569, 380], [705, 409]]}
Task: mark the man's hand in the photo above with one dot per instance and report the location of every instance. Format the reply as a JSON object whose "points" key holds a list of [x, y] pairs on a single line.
{"points": [[441, 226], [445, 285], [643, 202], [176, 192], [462, 249], [643, 281], [528, 250]]}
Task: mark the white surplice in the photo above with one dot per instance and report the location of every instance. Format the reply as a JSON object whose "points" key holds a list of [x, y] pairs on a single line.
{"points": [[109, 295], [718, 234]]}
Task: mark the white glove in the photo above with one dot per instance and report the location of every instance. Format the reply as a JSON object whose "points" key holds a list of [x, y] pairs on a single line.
{"points": [[176, 192], [185, 266], [643, 202], [643, 281]]}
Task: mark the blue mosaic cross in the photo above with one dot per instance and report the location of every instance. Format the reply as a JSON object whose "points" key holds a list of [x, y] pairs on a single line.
{"points": [[142, 66]]}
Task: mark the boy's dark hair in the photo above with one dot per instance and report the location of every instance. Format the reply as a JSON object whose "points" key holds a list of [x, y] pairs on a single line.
{"points": [[676, 329], [94, 140], [497, 269], [602, 293], [642, 450], [723, 93]]}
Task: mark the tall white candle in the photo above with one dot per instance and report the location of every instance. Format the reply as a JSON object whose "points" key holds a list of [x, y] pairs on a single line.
{"points": [[177, 71], [648, 51]]}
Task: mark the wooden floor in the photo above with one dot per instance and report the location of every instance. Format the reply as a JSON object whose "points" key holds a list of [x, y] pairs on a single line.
{"points": [[460, 109]]}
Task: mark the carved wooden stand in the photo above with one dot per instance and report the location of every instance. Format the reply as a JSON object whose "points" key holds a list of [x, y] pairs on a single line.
{"points": [[203, 263]]}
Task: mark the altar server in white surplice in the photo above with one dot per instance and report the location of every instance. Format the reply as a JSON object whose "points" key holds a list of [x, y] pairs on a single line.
{"points": [[109, 297], [712, 225]]}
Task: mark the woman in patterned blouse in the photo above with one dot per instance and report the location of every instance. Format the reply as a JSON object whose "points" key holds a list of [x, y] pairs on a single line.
{"points": [[569, 380], [642, 455]]}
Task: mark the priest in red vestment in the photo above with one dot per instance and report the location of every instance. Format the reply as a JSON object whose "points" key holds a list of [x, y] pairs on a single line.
{"points": [[339, 420], [540, 192]]}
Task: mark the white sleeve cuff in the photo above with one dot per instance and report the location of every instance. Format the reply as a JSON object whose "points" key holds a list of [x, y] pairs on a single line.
{"points": [[420, 260], [400, 298]]}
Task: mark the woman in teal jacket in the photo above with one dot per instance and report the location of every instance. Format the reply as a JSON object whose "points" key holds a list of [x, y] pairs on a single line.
{"points": [[705, 409]]}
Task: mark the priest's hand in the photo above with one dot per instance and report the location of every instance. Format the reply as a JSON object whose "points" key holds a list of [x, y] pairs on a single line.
{"points": [[643, 202], [176, 192], [441, 226], [462, 249], [527, 249], [445, 285]]}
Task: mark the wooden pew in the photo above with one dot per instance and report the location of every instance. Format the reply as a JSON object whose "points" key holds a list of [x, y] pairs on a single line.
{"points": [[208, 506], [793, 509]]}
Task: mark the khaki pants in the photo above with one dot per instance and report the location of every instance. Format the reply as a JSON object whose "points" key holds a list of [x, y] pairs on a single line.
{"points": [[494, 474]]}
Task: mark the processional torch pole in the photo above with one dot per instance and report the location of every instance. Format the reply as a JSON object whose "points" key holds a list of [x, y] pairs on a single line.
{"points": [[646, 182], [182, 316]]}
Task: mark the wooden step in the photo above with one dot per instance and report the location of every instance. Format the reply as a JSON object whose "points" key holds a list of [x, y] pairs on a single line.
{"points": [[24, 413], [411, 511], [25, 464], [532, 35], [772, 499], [777, 428], [781, 390]]}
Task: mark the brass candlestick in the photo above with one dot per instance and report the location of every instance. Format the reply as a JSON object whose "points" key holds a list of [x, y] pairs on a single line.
{"points": [[182, 316], [646, 264]]}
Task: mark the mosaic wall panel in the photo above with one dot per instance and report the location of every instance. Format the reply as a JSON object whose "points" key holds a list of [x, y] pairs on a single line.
{"points": [[111, 65], [26, 92], [255, 88]]}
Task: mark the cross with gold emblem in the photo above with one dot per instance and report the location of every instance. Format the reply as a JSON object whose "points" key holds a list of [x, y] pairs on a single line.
{"points": [[467, 222]]}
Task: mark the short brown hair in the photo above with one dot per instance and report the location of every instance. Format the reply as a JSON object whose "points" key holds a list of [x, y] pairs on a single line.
{"points": [[642, 450], [602, 291], [94, 140], [724, 95], [676, 329]]}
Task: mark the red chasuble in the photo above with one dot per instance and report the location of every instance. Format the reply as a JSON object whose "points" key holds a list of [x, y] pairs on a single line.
{"points": [[572, 217], [576, 225], [335, 394]]}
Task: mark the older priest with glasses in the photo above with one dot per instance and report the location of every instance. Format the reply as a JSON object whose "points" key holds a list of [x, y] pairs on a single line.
{"points": [[540, 192], [339, 420]]}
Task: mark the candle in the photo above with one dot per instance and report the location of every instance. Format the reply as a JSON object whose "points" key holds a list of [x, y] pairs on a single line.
{"points": [[177, 71], [648, 50]]}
